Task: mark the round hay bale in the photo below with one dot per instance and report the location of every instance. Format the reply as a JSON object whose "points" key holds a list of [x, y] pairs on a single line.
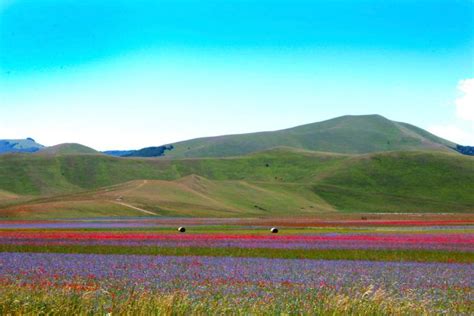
{"points": [[181, 229], [274, 230]]}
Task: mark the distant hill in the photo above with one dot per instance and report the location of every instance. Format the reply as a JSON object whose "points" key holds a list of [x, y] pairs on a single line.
{"points": [[67, 149], [28, 145], [465, 150], [118, 153], [277, 182], [346, 134], [144, 152]]}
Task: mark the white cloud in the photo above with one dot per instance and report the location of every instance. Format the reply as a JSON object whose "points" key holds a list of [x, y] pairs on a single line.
{"points": [[465, 103], [461, 129]]}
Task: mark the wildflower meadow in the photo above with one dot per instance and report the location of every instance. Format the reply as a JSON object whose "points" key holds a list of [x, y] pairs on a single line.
{"points": [[140, 268]]}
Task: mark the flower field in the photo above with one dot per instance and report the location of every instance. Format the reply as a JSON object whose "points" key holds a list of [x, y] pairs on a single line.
{"points": [[145, 269], [440, 241]]}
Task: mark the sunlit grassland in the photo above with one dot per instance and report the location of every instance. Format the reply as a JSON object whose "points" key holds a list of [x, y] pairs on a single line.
{"points": [[279, 182], [94, 300]]}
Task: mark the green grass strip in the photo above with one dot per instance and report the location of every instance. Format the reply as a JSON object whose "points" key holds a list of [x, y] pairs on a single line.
{"points": [[326, 254], [258, 230]]}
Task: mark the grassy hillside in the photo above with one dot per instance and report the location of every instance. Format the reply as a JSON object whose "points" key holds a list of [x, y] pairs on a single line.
{"points": [[347, 134], [43, 175], [282, 182], [401, 182], [67, 149]]}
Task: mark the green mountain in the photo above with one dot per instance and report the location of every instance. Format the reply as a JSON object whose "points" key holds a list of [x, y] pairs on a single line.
{"points": [[277, 182], [347, 134], [67, 149], [350, 164]]}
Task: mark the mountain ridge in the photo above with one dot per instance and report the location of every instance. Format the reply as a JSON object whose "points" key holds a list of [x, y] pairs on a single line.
{"points": [[349, 134], [346, 134]]}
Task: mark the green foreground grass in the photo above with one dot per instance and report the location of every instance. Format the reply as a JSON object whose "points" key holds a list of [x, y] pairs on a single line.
{"points": [[364, 301], [318, 254]]}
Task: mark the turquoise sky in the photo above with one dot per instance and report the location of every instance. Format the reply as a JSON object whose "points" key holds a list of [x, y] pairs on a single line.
{"points": [[116, 74]]}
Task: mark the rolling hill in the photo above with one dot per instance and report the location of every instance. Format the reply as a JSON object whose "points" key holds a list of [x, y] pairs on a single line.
{"points": [[349, 164], [347, 134], [67, 149], [277, 182]]}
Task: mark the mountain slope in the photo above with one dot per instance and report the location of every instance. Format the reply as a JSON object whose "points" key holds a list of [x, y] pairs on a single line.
{"points": [[19, 146], [347, 134], [279, 182], [408, 181]]}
